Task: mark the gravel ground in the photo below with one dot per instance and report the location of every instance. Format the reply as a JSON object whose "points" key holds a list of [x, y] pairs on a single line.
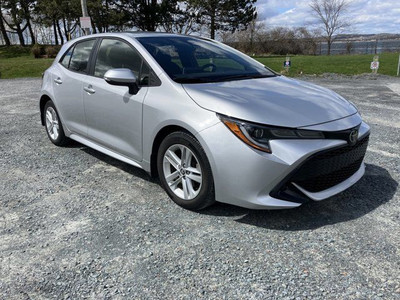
{"points": [[75, 223]]}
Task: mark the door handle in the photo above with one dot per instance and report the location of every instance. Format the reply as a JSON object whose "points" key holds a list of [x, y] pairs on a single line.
{"points": [[58, 80], [89, 89]]}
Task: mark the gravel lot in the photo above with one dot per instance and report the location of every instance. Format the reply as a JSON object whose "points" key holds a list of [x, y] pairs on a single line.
{"points": [[75, 223]]}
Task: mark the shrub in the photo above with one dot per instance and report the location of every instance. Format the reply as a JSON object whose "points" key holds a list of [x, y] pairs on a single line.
{"points": [[37, 50], [51, 51]]}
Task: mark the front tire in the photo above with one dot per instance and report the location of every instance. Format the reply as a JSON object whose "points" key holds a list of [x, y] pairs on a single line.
{"points": [[185, 172], [53, 125]]}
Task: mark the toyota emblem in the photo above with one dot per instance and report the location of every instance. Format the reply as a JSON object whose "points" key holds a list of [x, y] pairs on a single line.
{"points": [[353, 136]]}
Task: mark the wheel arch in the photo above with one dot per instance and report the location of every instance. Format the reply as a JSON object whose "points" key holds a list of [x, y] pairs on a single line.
{"points": [[162, 133], [43, 100]]}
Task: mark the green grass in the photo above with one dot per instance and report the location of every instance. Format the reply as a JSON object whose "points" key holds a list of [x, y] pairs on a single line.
{"points": [[341, 64], [16, 62]]}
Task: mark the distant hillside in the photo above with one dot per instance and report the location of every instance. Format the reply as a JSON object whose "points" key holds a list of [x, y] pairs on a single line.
{"points": [[368, 37]]}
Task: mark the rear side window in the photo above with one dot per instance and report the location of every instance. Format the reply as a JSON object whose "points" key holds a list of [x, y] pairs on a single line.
{"points": [[80, 56], [67, 57], [115, 54]]}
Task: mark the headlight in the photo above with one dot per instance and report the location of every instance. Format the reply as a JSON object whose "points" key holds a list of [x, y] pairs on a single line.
{"points": [[258, 136]]}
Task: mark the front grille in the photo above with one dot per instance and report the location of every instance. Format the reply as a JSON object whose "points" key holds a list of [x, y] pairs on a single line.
{"points": [[329, 168]]}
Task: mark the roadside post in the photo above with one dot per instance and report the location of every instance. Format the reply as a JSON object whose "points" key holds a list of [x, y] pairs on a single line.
{"points": [[375, 64], [287, 64], [398, 67], [85, 19], [86, 24]]}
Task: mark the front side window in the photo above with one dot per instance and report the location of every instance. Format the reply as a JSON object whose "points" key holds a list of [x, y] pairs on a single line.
{"points": [[80, 56], [194, 60], [114, 54]]}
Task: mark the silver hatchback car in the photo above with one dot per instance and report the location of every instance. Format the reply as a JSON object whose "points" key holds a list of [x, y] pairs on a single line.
{"points": [[212, 123]]}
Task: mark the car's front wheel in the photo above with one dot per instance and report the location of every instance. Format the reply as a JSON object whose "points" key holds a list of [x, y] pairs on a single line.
{"points": [[185, 172], [53, 125]]}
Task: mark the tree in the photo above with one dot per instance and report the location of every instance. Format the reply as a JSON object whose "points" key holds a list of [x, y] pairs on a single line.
{"points": [[69, 13], [146, 15], [47, 14], [15, 18], [331, 17], [278, 40], [3, 27], [27, 7], [225, 15], [284, 41], [54, 13], [184, 19], [250, 40], [105, 15], [307, 40]]}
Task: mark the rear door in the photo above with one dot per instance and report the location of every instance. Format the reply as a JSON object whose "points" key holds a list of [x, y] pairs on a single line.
{"points": [[114, 117], [68, 77]]}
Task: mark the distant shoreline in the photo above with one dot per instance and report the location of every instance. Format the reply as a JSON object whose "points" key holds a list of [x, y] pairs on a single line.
{"points": [[361, 46]]}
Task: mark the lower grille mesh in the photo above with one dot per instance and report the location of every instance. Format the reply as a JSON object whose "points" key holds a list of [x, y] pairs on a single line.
{"points": [[329, 168]]}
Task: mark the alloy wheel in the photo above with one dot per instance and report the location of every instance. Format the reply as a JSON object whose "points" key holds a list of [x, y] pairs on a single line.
{"points": [[182, 172], [52, 123]]}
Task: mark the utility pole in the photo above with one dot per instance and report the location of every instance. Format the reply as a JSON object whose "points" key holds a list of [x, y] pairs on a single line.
{"points": [[85, 14]]}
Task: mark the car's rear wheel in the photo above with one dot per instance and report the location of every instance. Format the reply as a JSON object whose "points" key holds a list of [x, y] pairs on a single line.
{"points": [[53, 125], [185, 172]]}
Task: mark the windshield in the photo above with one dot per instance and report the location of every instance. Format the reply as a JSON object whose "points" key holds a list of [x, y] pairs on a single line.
{"points": [[193, 60]]}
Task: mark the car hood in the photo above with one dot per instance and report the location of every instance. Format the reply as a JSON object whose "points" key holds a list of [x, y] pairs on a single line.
{"points": [[276, 101]]}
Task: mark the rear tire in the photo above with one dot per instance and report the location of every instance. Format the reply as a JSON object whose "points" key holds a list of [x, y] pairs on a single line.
{"points": [[185, 171], [53, 125]]}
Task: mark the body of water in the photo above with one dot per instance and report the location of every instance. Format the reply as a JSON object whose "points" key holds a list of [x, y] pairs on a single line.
{"points": [[361, 47]]}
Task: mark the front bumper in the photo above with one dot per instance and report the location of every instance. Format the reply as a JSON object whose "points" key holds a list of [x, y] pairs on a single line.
{"points": [[318, 196], [249, 178]]}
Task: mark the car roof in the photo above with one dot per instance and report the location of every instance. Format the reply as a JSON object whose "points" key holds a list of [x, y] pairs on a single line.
{"points": [[136, 34], [150, 33], [133, 35]]}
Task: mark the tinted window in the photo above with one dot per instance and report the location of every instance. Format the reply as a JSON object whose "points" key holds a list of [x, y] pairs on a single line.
{"points": [[67, 57], [205, 57], [193, 60], [116, 54], [147, 76], [80, 56]]}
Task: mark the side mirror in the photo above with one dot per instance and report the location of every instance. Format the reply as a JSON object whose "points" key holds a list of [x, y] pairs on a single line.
{"points": [[122, 77]]}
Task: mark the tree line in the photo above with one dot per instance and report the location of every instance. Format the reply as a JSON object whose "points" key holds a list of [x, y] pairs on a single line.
{"points": [[259, 40], [330, 19], [29, 20], [235, 22]]}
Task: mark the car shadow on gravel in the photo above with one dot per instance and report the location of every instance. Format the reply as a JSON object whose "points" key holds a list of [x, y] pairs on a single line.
{"points": [[74, 144], [376, 188], [137, 172]]}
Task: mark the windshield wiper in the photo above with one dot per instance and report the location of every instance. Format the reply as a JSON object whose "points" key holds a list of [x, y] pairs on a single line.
{"points": [[192, 80], [220, 78], [244, 76]]}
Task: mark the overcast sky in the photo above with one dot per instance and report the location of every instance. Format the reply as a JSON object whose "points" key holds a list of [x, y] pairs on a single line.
{"points": [[366, 16]]}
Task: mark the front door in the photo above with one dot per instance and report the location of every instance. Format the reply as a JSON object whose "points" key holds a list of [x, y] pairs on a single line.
{"points": [[114, 117]]}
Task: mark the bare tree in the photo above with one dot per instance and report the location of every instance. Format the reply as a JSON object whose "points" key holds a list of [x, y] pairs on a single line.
{"points": [[249, 39], [308, 40], [349, 47], [331, 14]]}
